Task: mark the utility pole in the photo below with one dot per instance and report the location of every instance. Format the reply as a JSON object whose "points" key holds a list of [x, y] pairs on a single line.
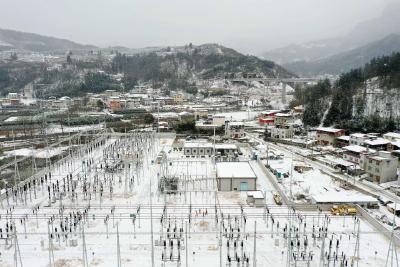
{"points": [[187, 247], [151, 227], [255, 245], [118, 248], [220, 247], [392, 251]]}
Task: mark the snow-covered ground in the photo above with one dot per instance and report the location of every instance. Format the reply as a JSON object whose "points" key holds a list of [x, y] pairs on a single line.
{"points": [[109, 211], [37, 153]]}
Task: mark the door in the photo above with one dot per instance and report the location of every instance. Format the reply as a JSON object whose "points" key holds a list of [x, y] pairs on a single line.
{"points": [[244, 186]]}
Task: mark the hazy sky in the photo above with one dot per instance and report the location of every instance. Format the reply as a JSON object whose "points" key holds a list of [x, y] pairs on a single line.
{"points": [[247, 25]]}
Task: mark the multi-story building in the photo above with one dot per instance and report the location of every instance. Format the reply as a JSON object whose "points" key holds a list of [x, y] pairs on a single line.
{"points": [[382, 168], [393, 137], [283, 119], [235, 130], [354, 153], [282, 132], [327, 136]]}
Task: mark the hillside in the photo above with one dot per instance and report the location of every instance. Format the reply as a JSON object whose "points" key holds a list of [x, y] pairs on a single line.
{"points": [[345, 61], [364, 99], [37, 43], [190, 62], [362, 34]]}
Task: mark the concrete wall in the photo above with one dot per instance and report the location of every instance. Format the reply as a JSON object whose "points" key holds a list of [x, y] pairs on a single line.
{"points": [[229, 184]]}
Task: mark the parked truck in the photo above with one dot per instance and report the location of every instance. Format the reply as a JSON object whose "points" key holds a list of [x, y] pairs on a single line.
{"points": [[343, 210]]}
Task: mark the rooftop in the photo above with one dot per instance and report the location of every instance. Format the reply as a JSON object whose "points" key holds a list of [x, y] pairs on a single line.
{"points": [[392, 135], [376, 142], [356, 149], [235, 170], [328, 129]]}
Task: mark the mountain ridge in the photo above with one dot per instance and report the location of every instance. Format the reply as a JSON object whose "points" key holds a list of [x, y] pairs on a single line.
{"points": [[362, 34], [345, 61], [12, 39]]}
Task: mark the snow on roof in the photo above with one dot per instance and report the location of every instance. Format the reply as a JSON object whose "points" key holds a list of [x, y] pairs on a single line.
{"points": [[255, 194], [376, 142], [225, 146], [235, 170], [342, 162], [328, 129], [355, 148], [283, 115], [392, 135], [236, 123], [197, 144], [344, 138], [393, 206], [397, 143], [342, 197], [358, 135]]}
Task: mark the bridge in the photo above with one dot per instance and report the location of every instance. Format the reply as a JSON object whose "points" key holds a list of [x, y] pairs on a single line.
{"points": [[270, 80]]}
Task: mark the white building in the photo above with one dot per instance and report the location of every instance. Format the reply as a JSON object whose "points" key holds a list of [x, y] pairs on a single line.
{"points": [[197, 149], [218, 120], [235, 176], [353, 153], [282, 132], [235, 130], [393, 137], [358, 139], [382, 168]]}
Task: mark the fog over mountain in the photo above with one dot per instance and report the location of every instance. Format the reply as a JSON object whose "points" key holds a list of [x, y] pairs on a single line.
{"points": [[250, 26], [368, 31]]}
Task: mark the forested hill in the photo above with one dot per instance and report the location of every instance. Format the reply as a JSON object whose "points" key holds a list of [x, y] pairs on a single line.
{"points": [[203, 61], [364, 99]]}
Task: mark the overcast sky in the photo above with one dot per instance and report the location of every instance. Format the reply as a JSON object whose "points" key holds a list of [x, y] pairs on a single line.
{"points": [[247, 25]]}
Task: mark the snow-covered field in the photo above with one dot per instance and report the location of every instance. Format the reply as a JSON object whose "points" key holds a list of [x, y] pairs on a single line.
{"points": [[110, 210]]}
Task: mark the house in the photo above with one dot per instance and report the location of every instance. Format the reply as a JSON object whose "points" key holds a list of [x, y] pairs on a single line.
{"points": [[282, 119], [327, 135], [342, 141], [393, 137], [268, 117], [186, 116], [198, 149], [358, 139], [179, 98], [235, 176], [115, 103], [377, 143], [282, 132], [381, 168], [235, 130], [255, 198], [226, 149], [353, 153], [218, 120]]}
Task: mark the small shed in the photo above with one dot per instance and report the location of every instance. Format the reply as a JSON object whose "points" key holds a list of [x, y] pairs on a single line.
{"points": [[255, 198], [235, 176]]}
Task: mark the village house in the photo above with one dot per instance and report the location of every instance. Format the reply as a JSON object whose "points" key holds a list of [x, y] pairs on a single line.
{"points": [[353, 153], [235, 130], [282, 132], [381, 168], [327, 136], [283, 119]]}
